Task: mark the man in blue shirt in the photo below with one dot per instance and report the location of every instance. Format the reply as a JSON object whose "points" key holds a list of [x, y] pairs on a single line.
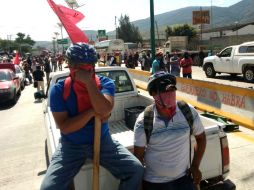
{"points": [[88, 96], [157, 62]]}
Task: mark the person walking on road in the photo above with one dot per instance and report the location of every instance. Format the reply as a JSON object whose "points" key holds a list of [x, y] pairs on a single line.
{"points": [[162, 139], [186, 64], [88, 96], [175, 65], [157, 63], [47, 68], [38, 75]]}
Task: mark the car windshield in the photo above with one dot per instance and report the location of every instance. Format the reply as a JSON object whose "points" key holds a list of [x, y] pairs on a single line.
{"points": [[5, 76]]}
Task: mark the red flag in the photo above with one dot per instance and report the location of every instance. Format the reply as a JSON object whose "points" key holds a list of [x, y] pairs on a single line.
{"points": [[16, 59], [73, 15], [75, 34]]}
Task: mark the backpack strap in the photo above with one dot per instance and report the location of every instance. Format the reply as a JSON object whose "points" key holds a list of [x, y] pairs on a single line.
{"points": [[67, 88], [186, 111], [185, 108], [148, 122]]}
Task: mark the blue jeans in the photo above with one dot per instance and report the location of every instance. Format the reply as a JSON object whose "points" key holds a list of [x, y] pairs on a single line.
{"points": [[183, 183], [69, 158]]}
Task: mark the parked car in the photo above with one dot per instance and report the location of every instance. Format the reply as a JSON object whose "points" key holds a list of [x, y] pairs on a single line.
{"points": [[235, 60], [10, 87], [17, 70]]}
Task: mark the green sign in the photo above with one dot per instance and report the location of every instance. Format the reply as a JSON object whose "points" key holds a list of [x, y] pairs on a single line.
{"points": [[101, 33], [62, 41]]}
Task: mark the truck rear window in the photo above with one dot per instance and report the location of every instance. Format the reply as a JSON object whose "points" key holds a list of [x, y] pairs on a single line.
{"points": [[246, 49], [120, 78]]}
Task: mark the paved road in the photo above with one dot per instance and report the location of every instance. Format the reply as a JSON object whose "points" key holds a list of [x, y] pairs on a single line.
{"points": [[22, 144], [241, 146], [199, 74]]}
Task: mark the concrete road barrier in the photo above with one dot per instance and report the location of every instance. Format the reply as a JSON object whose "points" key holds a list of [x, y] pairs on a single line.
{"points": [[235, 103]]}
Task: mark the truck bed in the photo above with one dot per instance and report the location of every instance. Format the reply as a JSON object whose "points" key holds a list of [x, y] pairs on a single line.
{"points": [[120, 132]]}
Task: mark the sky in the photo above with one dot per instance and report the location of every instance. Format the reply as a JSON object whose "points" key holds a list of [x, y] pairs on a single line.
{"points": [[37, 19]]}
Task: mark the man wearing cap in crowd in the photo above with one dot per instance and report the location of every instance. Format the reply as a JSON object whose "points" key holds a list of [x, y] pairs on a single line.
{"points": [[89, 96], [156, 65], [165, 154]]}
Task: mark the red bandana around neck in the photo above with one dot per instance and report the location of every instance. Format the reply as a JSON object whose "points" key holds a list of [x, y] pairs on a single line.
{"points": [[83, 99]]}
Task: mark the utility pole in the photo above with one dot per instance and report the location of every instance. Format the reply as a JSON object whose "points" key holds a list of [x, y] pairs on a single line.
{"points": [[116, 27], [211, 14], [236, 30], [201, 25], [152, 29], [158, 35]]}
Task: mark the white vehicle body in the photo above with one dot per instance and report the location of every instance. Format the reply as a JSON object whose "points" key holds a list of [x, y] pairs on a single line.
{"points": [[235, 60], [127, 96]]}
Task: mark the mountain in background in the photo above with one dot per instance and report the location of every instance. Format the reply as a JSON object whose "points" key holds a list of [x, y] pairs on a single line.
{"points": [[241, 12]]}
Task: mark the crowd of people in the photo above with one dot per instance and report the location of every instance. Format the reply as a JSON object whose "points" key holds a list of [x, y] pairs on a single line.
{"points": [[36, 68], [171, 63], [177, 64]]}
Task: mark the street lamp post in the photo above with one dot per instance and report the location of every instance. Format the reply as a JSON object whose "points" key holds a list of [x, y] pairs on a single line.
{"points": [[152, 29], [54, 45], [56, 34], [61, 27]]}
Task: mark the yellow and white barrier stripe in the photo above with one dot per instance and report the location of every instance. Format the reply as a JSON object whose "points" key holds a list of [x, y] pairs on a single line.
{"points": [[237, 104]]}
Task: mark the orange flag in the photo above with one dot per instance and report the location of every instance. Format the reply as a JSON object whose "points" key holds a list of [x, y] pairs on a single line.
{"points": [[16, 59], [75, 34]]}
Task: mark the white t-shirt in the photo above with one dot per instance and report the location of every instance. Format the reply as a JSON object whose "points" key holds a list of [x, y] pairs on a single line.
{"points": [[167, 153]]}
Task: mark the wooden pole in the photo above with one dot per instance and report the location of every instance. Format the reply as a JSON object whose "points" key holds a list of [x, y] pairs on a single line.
{"points": [[197, 187], [96, 153]]}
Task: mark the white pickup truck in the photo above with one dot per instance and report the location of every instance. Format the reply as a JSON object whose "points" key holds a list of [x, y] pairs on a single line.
{"points": [[215, 163], [234, 60]]}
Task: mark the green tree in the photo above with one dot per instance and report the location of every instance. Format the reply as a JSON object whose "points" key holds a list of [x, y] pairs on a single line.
{"points": [[181, 30], [169, 32], [127, 31], [7, 45], [24, 43]]}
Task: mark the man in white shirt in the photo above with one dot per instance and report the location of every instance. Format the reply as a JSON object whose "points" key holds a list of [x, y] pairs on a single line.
{"points": [[166, 156]]}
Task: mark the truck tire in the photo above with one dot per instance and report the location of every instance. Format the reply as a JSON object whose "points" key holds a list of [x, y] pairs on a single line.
{"points": [[209, 71], [248, 74]]}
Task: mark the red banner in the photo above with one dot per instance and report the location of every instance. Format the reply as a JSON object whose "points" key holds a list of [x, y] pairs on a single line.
{"points": [[75, 34], [73, 15], [16, 59]]}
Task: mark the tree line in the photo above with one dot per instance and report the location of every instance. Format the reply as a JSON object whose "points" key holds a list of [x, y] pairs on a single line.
{"points": [[130, 33], [22, 43]]}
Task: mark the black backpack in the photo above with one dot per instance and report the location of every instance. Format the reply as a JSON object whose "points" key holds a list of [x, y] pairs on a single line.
{"points": [[162, 65], [149, 115]]}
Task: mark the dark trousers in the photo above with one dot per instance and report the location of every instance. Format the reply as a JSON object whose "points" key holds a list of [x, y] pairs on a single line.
{"points": [[183, 183], [188, 75]]}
